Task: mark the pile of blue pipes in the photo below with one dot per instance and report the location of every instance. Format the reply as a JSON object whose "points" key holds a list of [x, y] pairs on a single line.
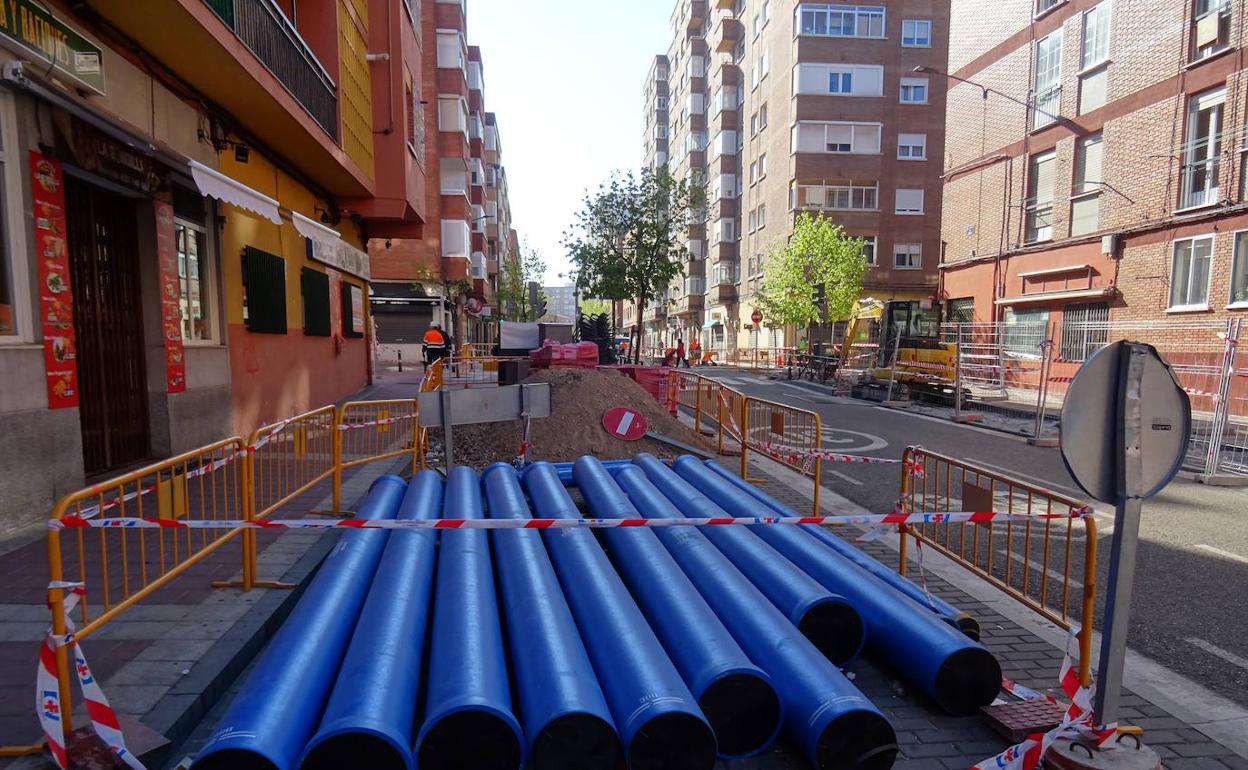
{"points": [[576, 649]]}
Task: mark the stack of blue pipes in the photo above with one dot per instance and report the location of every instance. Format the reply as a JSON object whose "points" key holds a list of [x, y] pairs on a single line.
{"points": [[649, 648]]}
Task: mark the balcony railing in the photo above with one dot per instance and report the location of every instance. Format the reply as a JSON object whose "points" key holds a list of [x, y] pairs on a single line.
{"points": [[269, 35], [1200, 183]]}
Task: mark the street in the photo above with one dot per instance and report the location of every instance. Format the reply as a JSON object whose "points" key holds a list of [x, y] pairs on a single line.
{"points": [[1186, 613]]}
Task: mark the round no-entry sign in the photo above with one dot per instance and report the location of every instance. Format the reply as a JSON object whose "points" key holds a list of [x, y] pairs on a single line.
{"points": [[757, 316], [624, 423]]}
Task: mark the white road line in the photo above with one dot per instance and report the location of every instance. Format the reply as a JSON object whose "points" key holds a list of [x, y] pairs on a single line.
{"points": [[1223, 554], [1213, 649], [843, 477], [1059, 577]]}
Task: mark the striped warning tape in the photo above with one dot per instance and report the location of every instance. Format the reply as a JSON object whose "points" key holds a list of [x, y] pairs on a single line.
{"points": [[381, 421], [881, 519], [794, 454]]}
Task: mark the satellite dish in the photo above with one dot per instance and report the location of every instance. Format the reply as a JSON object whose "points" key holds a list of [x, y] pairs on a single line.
{"points": [[1093, 423]]}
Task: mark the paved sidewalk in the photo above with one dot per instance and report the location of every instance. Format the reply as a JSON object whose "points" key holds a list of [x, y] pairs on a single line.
{"points": [[169, 658]]}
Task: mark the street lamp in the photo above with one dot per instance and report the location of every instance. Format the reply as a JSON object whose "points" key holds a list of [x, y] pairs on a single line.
{"points": [[985, 90]]}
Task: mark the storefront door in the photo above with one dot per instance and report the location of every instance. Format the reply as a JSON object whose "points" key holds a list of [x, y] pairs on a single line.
{"points": [[108, 323]]}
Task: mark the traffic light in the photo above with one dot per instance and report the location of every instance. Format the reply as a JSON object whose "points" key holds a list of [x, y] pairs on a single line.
{"points": [[820, 295], [539, 309]]}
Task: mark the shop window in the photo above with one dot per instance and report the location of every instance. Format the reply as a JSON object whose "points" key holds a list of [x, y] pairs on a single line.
{"points": [[314, 286], [264, 291], [194, 279], [13, 296], [352, 310]]}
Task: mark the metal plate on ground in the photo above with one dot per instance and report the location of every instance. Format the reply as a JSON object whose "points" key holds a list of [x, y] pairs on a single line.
{"points": [[1016, 721], [477, 405]]}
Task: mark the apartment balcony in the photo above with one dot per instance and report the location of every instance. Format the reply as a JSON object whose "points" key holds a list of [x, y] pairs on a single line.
{"points": [[689, 303], [728, 32], [723, 5], [476, 80], [478, 266], [721, 294], [697, 13], [244, 56], [655, 311]]}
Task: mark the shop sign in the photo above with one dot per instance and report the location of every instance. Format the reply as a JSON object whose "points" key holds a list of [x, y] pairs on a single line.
{"points": [[335, 300], [170, 298], [336, 252], [28, 27], [93, 150], [56, 301], [357, 309]]}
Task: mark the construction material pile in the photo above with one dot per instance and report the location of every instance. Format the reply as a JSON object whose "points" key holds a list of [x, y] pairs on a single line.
{"points": [[578, 398], [685, 645]]}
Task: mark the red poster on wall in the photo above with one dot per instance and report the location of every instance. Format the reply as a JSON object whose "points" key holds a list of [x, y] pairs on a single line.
{"points": [[56, 301], [170, 298]]}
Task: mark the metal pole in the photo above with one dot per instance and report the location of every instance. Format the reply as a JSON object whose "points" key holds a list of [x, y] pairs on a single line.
{"points": [[448, 433], [1213, 456], [892, 369], [957, 378], [1046, 362], [1126, 537], [400, 359]]}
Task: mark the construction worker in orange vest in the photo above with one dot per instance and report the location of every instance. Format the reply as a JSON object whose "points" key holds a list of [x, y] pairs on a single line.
{"points": [[435, 344]]}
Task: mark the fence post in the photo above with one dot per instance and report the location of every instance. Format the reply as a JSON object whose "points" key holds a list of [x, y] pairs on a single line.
{"points": [[1213, 457], [745, 435], [957, 376], [907, 465], [818, 465], [697, 406], [56, 603], [720, 421], [249, 513], [337, 445]]}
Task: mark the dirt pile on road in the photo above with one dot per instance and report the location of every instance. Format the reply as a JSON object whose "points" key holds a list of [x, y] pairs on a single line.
{"points": [[579, 397]]}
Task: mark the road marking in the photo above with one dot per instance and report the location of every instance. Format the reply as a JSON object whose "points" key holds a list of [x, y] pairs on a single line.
{"points": [[1033, 479], [1054, 574], [843, 477], [1223, 554], [1215, 650]]}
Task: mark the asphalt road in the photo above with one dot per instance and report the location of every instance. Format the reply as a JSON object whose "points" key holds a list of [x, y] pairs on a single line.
{"points": [[1189, 609]]}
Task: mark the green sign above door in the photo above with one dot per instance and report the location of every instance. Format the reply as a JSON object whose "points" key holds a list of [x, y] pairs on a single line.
{"points": [[30, 30]]}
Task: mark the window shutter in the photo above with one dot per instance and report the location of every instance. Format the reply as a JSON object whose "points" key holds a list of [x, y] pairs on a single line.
{"points": [[315, 287], [264, 286]]}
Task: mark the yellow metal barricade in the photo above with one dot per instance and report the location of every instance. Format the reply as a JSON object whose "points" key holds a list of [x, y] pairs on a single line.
{"points": [[118, 566], [1046, 565], [374, 430], [786, 434], [730, 413]]}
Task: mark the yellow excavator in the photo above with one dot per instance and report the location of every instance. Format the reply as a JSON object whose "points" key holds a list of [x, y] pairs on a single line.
{"points": [[909, 353]]}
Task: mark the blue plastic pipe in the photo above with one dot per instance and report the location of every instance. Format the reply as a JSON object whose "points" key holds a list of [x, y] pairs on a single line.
{"points": [[735, 695], [279, 706], [468, 715], [957, 618], [658, 720], [368, 721], [566, 719], [565, 469], [956, 672], [826, 716], [824, 617]]}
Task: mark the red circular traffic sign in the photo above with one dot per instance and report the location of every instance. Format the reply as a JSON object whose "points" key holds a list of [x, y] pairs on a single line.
{"points": [[757, 316], [475, 305], [624, 423]]}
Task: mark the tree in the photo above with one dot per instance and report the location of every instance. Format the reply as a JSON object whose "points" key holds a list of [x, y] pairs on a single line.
{"points": [[819, 252], [627, 241], [513, 283], [594, 306]]}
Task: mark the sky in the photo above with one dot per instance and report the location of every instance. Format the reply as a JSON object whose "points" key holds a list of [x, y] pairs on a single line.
{"points": [[565, 79]]}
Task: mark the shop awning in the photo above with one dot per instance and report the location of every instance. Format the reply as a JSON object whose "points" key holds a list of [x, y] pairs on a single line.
{"points": [[1052, 296], [217, 185], [310, 228], [711, 322]]}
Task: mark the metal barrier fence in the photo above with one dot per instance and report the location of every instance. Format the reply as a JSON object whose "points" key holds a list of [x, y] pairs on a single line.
{"points": [[374, 430], [469, 371], [121, 567], [1048, 566], [786, 434]]}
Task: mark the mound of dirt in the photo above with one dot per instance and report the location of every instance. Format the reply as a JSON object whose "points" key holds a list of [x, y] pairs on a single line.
{"points": [[578, 399]]}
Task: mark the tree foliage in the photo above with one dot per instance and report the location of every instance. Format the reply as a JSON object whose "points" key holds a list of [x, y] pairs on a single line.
{"points": [[514, 276], [627, 241], [591, 306], [818, 252]]}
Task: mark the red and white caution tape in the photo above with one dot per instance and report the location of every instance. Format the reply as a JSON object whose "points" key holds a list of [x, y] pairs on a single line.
{"points": [[1206, 393], [795, 455], [381, 421], [48, 703], [1079, 720], [880, 519]]}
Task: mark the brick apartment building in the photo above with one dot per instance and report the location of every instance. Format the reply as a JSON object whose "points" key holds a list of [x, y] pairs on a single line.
{"points": [[783, 107], [446, 270], [1094, 167]]}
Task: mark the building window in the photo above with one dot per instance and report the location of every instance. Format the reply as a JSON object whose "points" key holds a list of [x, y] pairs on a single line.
{"points": [[844, 196], [1239, 271], [840, 82], [1085, 203], [1024, 331], [762, 217], [314, 286], [1039, 203], [1189, 277], [907, 256], [264, 292], [840, 20], [838, 79], [856, 138], [660, 102], [868, 249], [916, 33], [909, 201], [1044, 5], [451, 51], [762, 165], [1085, 330], [914, 90], [912, 146], [1211, 27], [962, 310], [193, 277], [1202, 151], [1048, 80], [1095, 49]]}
